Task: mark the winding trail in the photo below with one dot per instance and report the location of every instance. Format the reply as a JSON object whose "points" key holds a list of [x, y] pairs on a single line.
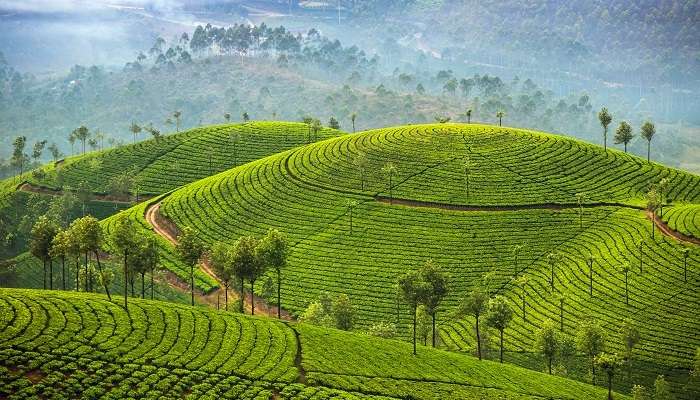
{"points": [[666, 230], [168, 230]]}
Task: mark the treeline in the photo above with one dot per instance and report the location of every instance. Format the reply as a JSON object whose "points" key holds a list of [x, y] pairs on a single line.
{"points": [[255, 40]]}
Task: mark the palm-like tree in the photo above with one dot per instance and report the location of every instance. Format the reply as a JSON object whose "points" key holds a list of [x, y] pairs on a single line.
{"points": [[516, 252], [177, 115], [500, 116], [522, 284], [590, 260], [580, 199], [686, 254], [353, 117], [350, 204], [648, 132], [625, 269], [135, 130], [389, 170], [605, 119], [552, 260], [469, 116]]}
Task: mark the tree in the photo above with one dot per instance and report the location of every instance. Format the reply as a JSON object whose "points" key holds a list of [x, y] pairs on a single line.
{"points": [[475, 304], [662, 389], [227, 117], [333, 123], [244, 260], [55, 152], [639, 393], [436, 280], [343, 312], [316, 127], [580, 199], [273, 250], [41, 237], [82, 133], [246, 117], [686, 253], [522, 284], [423, 324], [469, 116], [630, 338], [361, 163], [648, 132], [135, 130], [62, 247], [500, 116], [90, 237], [609, 363], [547, 343], [353, 117], [350, 204], [590, 260], [152, 257], [499, 316], [413, 289], [177, 115], [625, 269], [190, 248], [389, 170], [590, 340], [71, 140], [221, 258], [652, 204], [38, 149], [623, 134], [516, 252], [18, 156], [123, 239], [605, 119], [552, 259], [562, 298]]}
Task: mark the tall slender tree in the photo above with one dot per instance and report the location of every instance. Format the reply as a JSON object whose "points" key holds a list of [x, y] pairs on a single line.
{"points": [[436, 279], [41, 237], [516, 253], [361, 162], [191, 249], [123, 239], [590, 260], [178, 117], [500, 116], [552, 259], [389, 170], [61, 248], [624, 135], [580, 200], [499, 316], [625, 270], [413, 289], [245, 259], [273, 250], [652, 204], [469, 116], [353, 117], [629, 335], [475, 304], [222, 264], [609, 363], [90, 236], [135, 129], [648, 132], [590, 340], [547, 342], [686, 254], [605, 119], [82, 133]]}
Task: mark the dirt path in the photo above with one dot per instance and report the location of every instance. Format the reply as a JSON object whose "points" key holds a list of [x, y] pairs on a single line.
{"points": [[463, 207], [28, 187], [666, 230], [167, 229]]}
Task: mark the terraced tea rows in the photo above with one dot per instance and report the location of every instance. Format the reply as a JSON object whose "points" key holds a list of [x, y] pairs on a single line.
{"points": [[684, 219], [304, 192], [57, 345], [174, 160]]}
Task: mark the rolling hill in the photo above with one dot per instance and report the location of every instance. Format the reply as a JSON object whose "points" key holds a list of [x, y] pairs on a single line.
{"points": [[75, 345], [523, 190]]}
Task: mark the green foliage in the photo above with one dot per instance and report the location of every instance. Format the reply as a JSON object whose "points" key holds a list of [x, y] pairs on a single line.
{"points": [[343, 312], [662, 389]]}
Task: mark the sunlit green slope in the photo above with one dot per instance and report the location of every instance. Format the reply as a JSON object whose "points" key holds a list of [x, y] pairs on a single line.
{"points": [[67, 345]]}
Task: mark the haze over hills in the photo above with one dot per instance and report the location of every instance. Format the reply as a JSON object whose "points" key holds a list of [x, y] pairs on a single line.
{"points": [[397, 199]]}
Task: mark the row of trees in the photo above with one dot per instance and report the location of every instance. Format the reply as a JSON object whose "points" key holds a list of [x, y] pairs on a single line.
{"points": [[623, 134], [21, 161]]}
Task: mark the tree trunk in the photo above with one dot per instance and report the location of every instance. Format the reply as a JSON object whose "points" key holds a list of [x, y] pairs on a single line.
{"points": [[415, 311], [478, 338], [648, 150], [77, 274], [549, 364], [152, 283], [279, 294], [252, 297], [87, 274], [50, 273], [226, 297], [593, 370], [434, 315], [192, 284], [501, 346], [605, 138], [610, 397], [625, 147], [627, 296], [63, 272], [143, 284], [240, 306], [104, 282], [44, 264], [126, 280]]}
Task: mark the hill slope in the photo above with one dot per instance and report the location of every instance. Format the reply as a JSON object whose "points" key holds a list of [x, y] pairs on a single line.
{"points": [[55, 344], [522, 191]]}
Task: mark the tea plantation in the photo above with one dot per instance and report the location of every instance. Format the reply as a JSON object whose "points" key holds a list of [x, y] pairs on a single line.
{"points": [[75, 345], [465, 195]]}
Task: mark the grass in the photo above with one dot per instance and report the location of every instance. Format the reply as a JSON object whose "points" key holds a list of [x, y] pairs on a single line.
{"points": [[76, 345], [303, 193]]}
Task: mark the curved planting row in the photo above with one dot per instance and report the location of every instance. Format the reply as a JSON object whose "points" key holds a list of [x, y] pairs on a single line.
{"points": [[684, 218], [174, 160], [63, 345], [162, 335]]}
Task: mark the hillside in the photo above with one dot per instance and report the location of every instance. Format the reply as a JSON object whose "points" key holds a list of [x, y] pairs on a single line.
{"points": [[56, 344], [522, 191], [148, 167]]}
